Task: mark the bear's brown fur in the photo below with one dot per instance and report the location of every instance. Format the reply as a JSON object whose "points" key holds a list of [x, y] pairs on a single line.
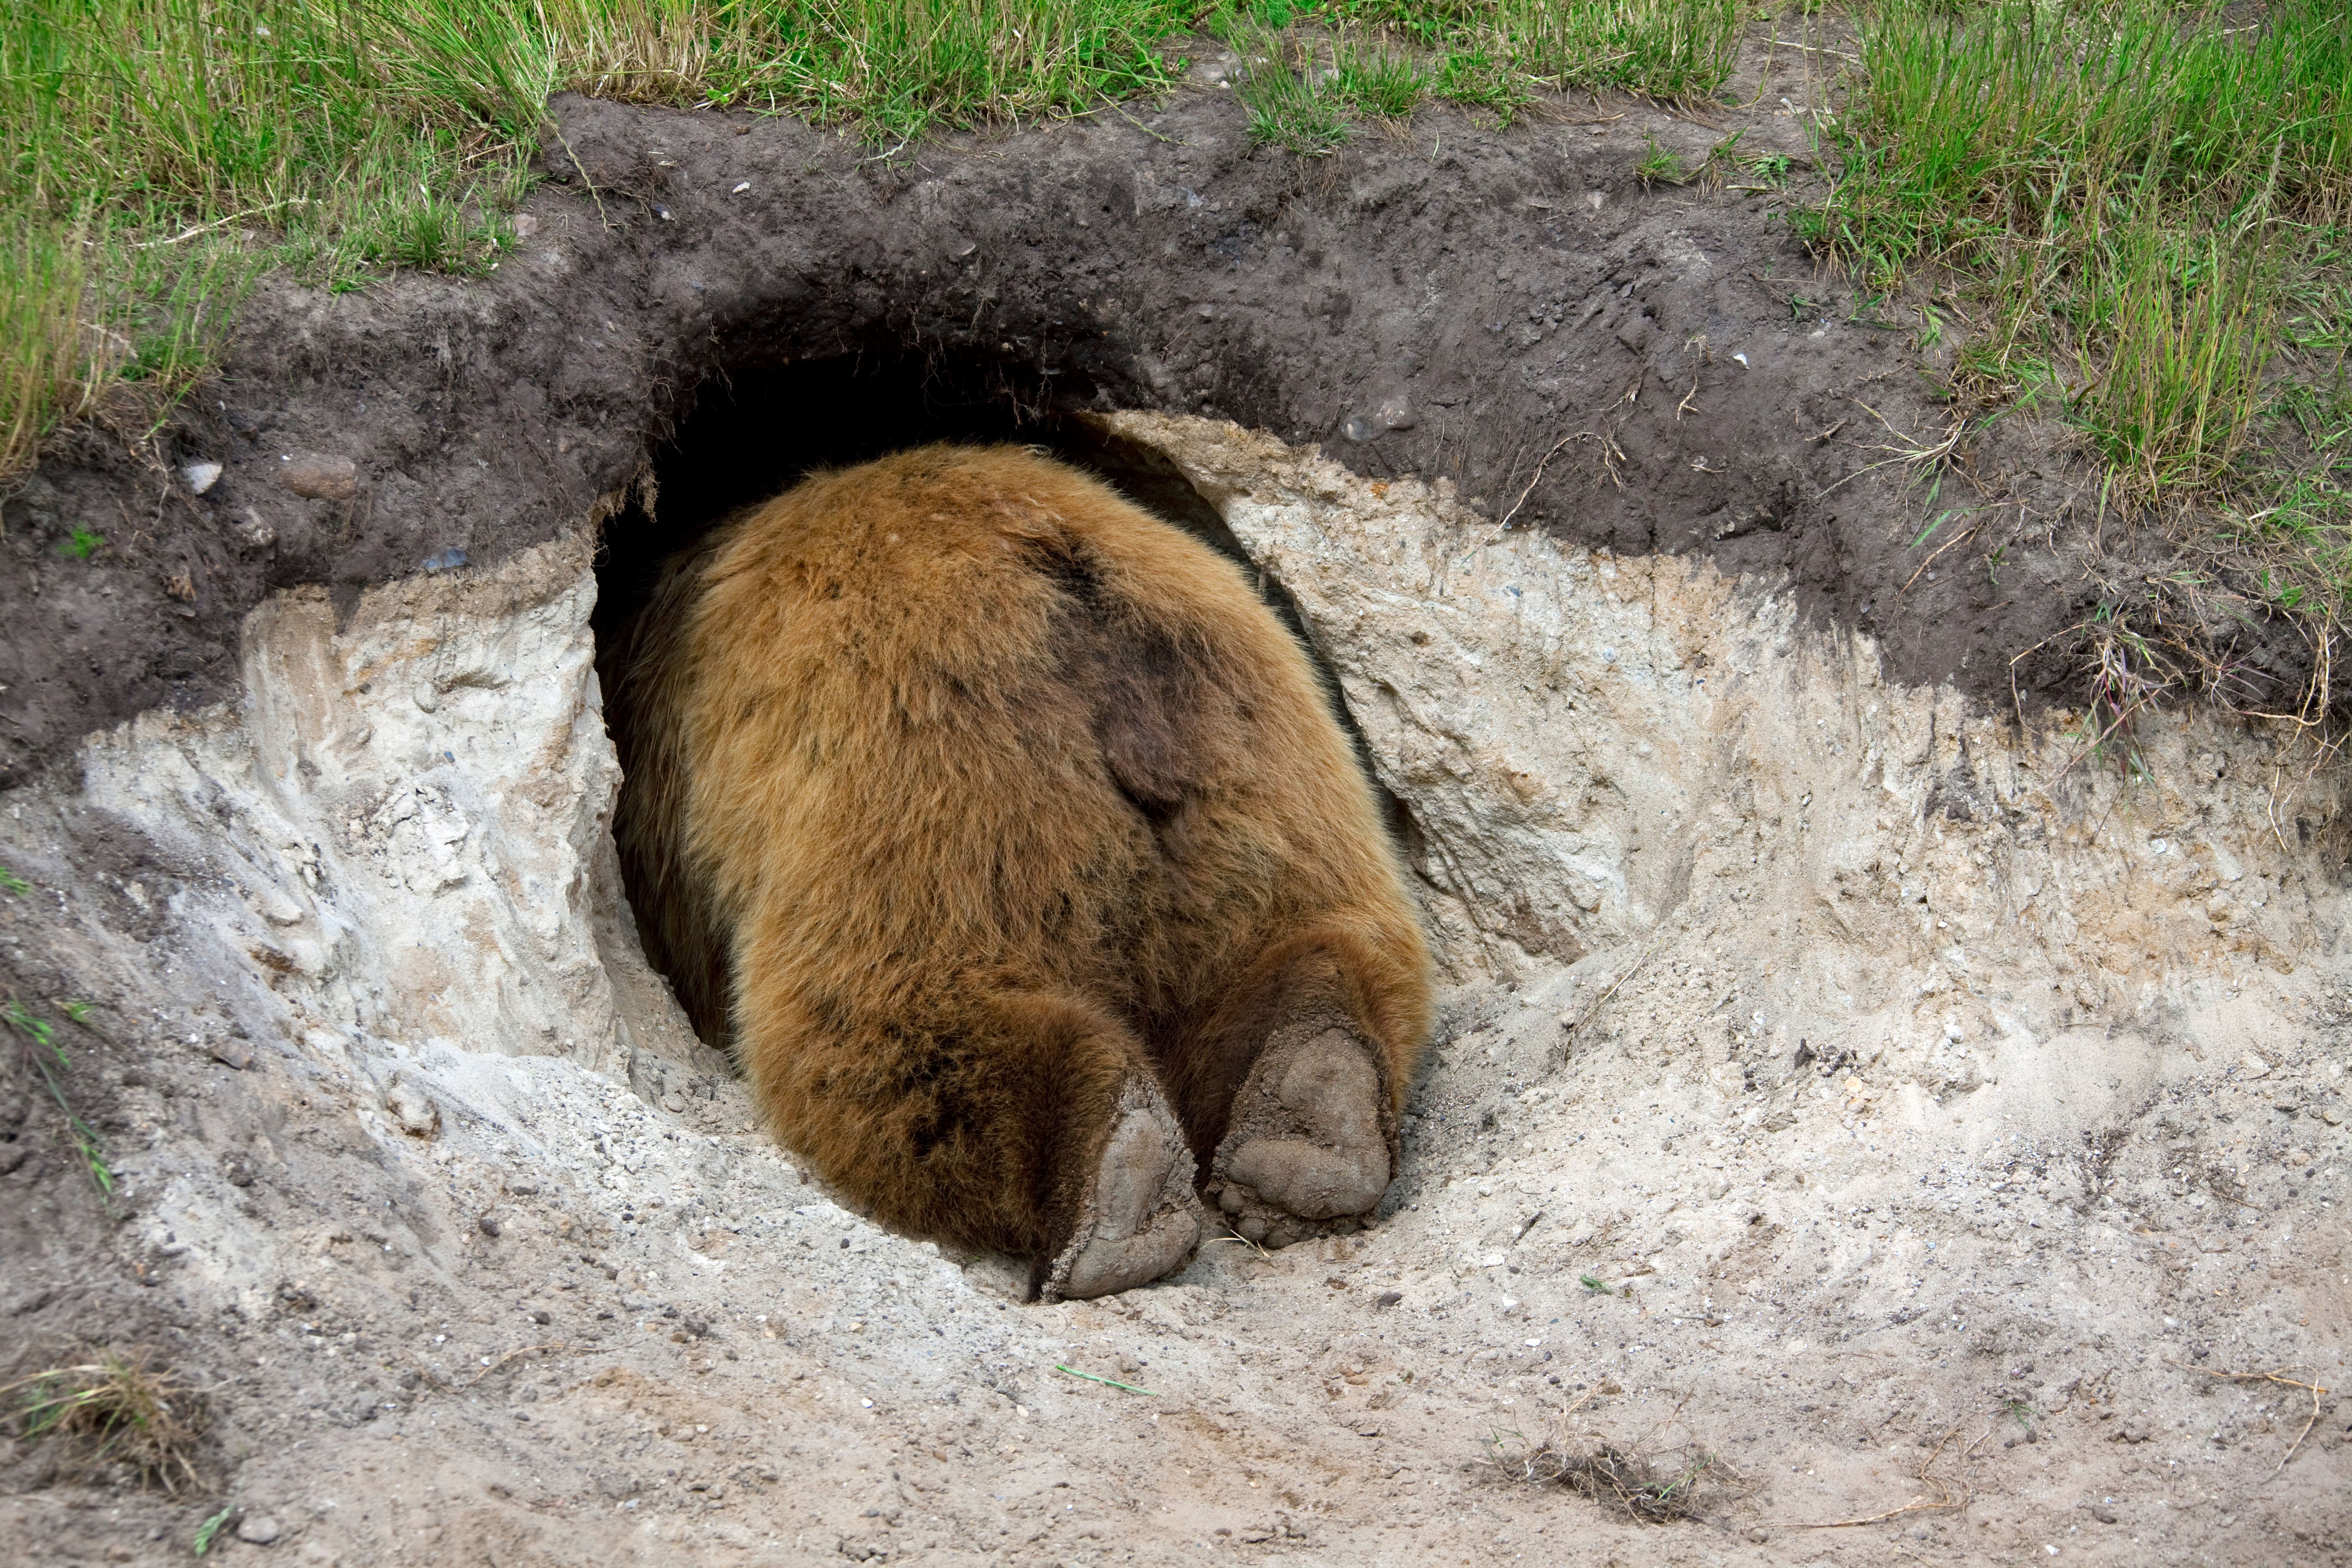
{"points": [[992, 821]]}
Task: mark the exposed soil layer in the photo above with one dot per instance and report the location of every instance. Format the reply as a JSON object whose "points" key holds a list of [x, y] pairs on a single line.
{"points": [[1840, 1094], [1642, 369]]}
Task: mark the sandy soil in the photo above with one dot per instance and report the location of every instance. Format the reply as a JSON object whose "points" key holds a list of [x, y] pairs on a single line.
{"points": [[674, 1351], [1866, 1113]]}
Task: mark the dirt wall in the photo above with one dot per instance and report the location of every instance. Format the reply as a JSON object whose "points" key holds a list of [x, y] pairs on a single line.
{"points": [[1645, 369]]}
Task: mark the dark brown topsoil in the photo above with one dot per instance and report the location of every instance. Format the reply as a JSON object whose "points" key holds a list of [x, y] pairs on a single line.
{"points": [[716, 302]]}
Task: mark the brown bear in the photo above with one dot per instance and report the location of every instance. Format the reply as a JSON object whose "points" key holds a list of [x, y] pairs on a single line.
{"points": [[1009, 842]]}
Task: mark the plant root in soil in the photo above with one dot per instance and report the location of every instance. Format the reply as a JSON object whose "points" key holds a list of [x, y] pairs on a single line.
{"points": [[1656, 1488]]}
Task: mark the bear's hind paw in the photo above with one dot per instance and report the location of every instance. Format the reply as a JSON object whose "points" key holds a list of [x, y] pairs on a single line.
{"points": [[1307, 1145], [1142, 1218]]}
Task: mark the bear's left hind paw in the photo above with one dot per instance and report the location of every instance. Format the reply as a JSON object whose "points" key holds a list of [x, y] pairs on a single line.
{"points": [[1142, 1218]]}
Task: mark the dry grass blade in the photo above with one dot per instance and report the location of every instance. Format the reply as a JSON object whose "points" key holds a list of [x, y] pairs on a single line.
{"points": [[1571, 1031], [1653, 1487], [118, 1409], [1949, 1494], [2316, 1389], [551, 1348], [1931, 559]]}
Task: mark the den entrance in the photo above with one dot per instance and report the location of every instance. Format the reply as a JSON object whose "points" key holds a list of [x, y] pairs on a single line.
{"points": [[752, 434]]}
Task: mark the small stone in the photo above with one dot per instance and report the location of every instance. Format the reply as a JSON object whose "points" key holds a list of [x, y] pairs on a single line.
{"points": [[413, 1109], [1399, 415], [2333, 1117], [201, 477], [1388, 1298], [258, 1530], [958, 247], [525, 226], [487, 1224], [2252, 1066], [254, 532], [319, 476], [426, 697], [231, 1052], [2103, 1513], [673, 1102]]}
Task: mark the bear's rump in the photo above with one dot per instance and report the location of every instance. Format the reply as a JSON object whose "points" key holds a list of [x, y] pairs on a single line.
{"points": [[1052, 823]]}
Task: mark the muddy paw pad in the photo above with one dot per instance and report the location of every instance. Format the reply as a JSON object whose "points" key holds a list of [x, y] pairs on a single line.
{"points": [[1141, 1219], [1306, 1143]]}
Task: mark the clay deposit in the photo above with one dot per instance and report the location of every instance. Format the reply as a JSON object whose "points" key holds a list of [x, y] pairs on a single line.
{"points": [[1867, 1106]]}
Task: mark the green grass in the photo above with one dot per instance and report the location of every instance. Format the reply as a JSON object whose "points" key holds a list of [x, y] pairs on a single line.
{"points": [[37, 1039], [2138, 206], [1313, 71], [161, 154], [1659, 165], [210, 1530], [82, 543]]}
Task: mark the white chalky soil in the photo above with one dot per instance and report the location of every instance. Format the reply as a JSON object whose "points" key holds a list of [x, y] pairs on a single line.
{"points": [[1933, 1116]]}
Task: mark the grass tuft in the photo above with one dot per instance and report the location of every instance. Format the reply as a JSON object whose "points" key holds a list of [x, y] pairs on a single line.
{"points": [[161, 154], [1347, 60], [2140, 205], [115, 1409]]}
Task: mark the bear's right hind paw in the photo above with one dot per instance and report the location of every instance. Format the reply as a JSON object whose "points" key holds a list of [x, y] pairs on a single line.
{"points": [[1142, 1218], [1306, 1145]]}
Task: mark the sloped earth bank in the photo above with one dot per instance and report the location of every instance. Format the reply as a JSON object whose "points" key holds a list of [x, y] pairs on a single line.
{"points": [[1641, 369], [1943, 1118]]}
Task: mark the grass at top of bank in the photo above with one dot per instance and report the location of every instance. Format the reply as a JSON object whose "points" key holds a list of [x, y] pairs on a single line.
{"points": [[1313, 69], [161, 154], [2138, 209]]}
